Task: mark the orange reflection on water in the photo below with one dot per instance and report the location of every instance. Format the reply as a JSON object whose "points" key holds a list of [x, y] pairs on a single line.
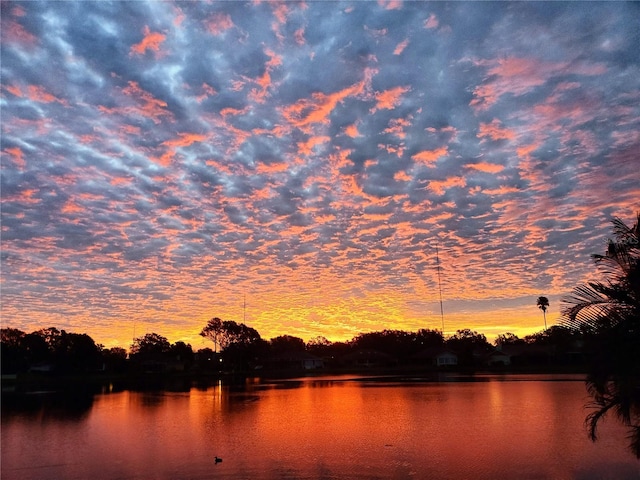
{"points": [[330, 427]]}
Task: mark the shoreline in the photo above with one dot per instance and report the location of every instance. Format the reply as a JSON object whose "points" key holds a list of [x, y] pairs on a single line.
{"points": [[99, 382]]}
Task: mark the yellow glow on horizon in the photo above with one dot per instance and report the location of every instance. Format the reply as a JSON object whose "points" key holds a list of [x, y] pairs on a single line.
{"points": [[337, 321]]}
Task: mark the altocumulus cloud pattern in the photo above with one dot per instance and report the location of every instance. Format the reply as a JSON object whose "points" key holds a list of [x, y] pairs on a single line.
{"points": [[163, 161]]}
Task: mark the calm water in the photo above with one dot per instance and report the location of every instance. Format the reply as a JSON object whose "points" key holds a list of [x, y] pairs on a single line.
{"points": [[324, 428]]}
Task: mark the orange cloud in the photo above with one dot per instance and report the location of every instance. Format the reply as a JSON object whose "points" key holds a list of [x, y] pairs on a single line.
{"points": [[13, 32], [35, 93], [389, 99], [306, 112], [184, 140], [431, 22], [39, 94], [518, 76], [400, 47], [17, 157], [180, 16], [208, 91], [494, 131], [390, 4], [72, 207], [352, 131], [267, 169], [306, 148], [429, 157], [219, 23], [129, 129], [525, 150], [264, 81], [13, 90], [402, 176], [299, 36], [233, 111], [151, 107], [396, 127], [439, 187], [150, 41], [486, 167], [501, 190]]}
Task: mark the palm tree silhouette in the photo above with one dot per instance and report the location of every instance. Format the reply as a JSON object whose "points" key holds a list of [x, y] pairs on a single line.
{"points": [[543, 304], [608, 314]]}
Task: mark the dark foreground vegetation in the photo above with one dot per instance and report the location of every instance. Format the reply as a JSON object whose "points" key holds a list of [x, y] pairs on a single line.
{"points": [[599, 336], [56, 353]]}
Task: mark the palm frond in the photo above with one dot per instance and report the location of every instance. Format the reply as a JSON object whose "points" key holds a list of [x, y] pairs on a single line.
{"points": [[634, 440], [601, 409]]}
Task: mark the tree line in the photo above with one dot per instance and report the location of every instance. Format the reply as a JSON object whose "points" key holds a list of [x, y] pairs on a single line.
{"points": [[240, 348]]}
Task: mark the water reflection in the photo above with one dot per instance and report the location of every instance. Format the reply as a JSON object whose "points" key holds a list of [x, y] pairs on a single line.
{"points": [[334, 427]]}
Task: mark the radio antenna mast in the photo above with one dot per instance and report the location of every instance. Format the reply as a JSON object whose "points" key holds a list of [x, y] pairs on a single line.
{"points": [[440, 288]]}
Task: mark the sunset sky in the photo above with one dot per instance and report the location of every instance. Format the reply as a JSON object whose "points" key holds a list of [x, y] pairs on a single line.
{"points": [[165, 162]]}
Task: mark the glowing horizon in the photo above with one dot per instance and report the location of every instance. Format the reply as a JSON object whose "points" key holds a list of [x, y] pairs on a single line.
{"points": [[162, 161]]}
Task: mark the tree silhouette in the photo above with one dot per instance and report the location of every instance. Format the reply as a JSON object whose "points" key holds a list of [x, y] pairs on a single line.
{"points": [[286, 343], [151, 344], [608, 314], [213, 331], [238, 343], [543, 304]]}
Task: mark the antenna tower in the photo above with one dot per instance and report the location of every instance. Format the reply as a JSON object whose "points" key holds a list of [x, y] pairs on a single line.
{"points": [[440, 288]]}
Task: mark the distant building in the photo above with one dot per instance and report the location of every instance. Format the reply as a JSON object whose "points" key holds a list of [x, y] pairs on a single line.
{"points": [[369, 358], [497, 358], [439, 357], [295, 361]]}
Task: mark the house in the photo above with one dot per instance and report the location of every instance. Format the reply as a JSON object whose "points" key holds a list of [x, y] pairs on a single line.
{"points": [[295, 360], [369, 358], [497, 358], [445, 358], [439, 357]]}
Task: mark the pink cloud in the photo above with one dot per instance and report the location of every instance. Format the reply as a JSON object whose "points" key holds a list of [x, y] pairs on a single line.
{"points": [[495, 131], [306, 148], [148, 106], [72, 207], [184, 140], [400, 47], [269, 169], [390, 4], [13, 32], [429, 157], [264, 81], [486, 167], [150, 41], [17, 157], [396, 127], [402, 176], [35, 93], [431, 22], [389, 99], [316, 110], [352, 131], [219, 23], [440, 186], [518, 76], [180, 16], [299, 36], [207, 91]]}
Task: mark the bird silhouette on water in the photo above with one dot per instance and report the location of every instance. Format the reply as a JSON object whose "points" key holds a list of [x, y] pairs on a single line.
{"points": [[217, 459]]}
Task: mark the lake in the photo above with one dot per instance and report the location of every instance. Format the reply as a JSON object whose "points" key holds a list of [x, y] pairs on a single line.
{"points": [[482, 427]]}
